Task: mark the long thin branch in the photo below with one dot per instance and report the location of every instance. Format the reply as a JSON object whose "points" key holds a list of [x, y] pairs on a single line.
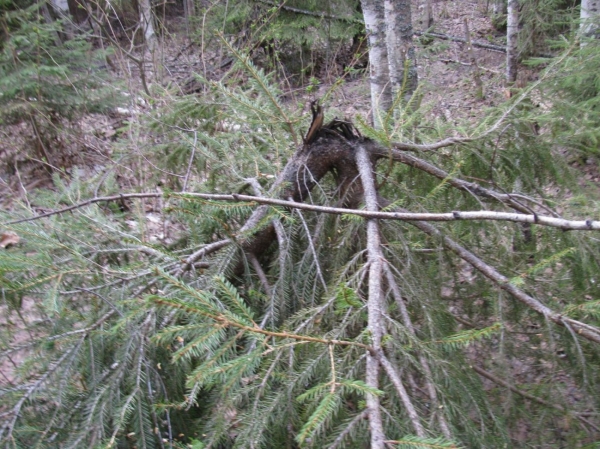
{"points": [[100, 199], [589, 332], [498, 48], [525, 217], [375, 300], [520, 392], [394, 376], [321, 15], [422, 360], [460, 184]]}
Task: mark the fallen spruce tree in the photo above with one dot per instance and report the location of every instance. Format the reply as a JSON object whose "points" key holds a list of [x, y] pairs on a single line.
{"points": [[315, 309]]}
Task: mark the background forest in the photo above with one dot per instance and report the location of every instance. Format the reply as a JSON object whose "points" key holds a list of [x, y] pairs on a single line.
{"points": [[299, 224]]}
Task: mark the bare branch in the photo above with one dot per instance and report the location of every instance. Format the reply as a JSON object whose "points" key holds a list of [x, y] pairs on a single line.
{"points": [[321, 15], [204, 251], [375, 300], [101, 199], [498, 48], [394, 376], [589, 332], [525, 217], [422, 360]]}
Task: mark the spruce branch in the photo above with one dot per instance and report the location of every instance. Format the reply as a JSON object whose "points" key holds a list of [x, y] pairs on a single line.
{"points": [[222, 320], [259, 77], [8, 425], [348, 428]]}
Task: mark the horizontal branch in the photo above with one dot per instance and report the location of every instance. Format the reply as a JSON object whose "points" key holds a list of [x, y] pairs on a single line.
{"points": [[492, 47], [321, 15], [99, 199], [224, 321], [543, 220], [446, 37]]}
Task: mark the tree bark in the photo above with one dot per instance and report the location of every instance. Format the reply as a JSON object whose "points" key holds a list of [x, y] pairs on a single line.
{"points": [[590, 17], [381, 92], [189, 10], [147, 24], [375, 303], [499, 7], [512, 33], [400, 49]]}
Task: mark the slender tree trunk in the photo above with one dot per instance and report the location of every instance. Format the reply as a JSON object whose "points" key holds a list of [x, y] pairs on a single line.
{"points": [[62, 12], [147, 24], [512, 32], [498, 7], [189, 10], [428, 15], [590, 17], [400, 49], [381, 92]]}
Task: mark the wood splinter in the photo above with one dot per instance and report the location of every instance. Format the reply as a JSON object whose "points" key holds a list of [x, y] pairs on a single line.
{"points": [[317, 122]]}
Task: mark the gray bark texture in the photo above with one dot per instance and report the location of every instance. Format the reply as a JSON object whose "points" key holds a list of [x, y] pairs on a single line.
{"points": [[512, 33], [147, 23], [499, 7], [590, 17], [400, 49], [375, 304], [381, 92]]}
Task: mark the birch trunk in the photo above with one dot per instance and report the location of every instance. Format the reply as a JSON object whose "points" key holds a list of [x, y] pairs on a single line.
{"points": [[147, 24], [590, 17], [499, 7], [400, 49], [61, 11], [512, 33], [381, 93]]}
